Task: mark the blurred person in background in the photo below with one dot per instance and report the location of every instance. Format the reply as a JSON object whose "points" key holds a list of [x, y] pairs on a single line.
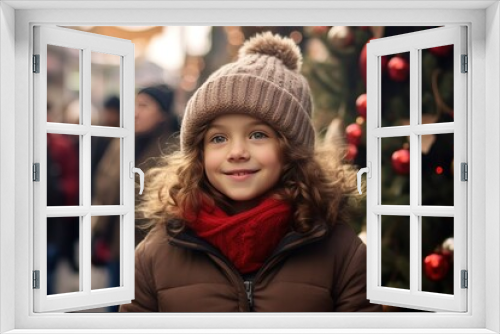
{"points": [[110, 117], [156, 134], [62, 190]]}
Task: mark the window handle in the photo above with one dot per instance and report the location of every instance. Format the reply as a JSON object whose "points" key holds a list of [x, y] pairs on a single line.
{"points": [[133, 170], [368, 171]]}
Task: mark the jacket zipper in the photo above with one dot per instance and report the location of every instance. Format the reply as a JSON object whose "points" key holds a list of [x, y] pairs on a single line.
{"points": [[211, 250], [248, 284], [249, 291]]}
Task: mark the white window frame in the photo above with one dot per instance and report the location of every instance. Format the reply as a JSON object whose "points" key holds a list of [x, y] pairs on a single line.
{"points": [[483, 21]]}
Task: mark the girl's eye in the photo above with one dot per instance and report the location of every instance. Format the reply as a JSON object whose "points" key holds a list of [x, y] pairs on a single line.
{"points": [[218, 139], [259, 135]]}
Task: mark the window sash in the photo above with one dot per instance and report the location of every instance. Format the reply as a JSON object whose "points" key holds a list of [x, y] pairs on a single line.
{"points": [[86, 43], [414, 297]]}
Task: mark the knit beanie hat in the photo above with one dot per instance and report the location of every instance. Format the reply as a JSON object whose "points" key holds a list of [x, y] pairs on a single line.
{"points": [[264, 82]]}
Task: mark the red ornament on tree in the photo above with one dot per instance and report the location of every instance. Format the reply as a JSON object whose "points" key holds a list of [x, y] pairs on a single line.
{"points": [[352, 152], [441, 51], [361, 105], [436, 266], [353, 134], [398, 68], [401, 161]]}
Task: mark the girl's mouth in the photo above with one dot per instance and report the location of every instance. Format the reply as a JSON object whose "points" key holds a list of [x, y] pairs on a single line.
{"points": [[241, 175]]}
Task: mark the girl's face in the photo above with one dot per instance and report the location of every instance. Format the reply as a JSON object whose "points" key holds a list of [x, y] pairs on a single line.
{"points": [[147, 113], [242, 157]]}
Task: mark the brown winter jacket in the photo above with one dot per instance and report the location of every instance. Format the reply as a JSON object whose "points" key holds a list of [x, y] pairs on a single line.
{"points": [[319, 271]]}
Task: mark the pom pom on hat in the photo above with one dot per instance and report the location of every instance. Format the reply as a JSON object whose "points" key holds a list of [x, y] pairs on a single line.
{"points": [[266, 43]]}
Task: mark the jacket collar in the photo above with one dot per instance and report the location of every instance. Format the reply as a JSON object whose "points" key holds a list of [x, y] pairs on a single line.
{"points": [[187, 238], [291, 241]]}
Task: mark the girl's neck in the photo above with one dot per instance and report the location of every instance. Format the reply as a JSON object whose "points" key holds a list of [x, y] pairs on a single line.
{"points": [[236, 207]]}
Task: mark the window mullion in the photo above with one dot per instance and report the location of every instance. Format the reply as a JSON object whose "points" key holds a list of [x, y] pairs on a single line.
{"points": [[85, 162], [414, 169]]}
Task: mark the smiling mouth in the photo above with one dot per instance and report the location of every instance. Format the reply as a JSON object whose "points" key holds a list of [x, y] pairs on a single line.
{"points": [[241, 173]]}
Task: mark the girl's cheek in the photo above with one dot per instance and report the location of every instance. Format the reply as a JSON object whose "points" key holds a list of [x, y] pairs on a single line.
{"points": [[210, 159]]}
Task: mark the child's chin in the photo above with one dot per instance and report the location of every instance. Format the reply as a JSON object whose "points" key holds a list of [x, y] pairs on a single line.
{"points": [[250, 197]]}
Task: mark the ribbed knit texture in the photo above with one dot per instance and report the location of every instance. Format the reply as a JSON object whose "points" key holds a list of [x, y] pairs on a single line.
{"points": [[265, 83], [248, 238]]}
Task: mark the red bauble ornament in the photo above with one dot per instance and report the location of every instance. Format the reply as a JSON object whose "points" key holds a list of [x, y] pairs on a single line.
{"points": [[441, 51], [436, 266], [352, 152], [361, 105], [401, 161], [398, 68], [353, 134], [362, 63]]}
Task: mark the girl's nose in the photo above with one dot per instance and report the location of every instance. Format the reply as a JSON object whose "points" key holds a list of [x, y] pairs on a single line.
{"points": [[238, 151]]}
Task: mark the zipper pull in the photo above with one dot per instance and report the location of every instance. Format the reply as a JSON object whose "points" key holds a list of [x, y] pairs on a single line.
{"points": [[249, 291]]}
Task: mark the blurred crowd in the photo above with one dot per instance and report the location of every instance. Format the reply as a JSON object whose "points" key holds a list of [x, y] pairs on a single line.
{"points": [[156, 133]]}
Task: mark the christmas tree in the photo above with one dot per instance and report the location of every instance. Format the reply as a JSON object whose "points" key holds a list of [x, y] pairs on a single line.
{"points": [[335, 64]]}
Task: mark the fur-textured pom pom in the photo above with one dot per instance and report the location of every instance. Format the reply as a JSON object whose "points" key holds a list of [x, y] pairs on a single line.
{"points": [[282, 48]]}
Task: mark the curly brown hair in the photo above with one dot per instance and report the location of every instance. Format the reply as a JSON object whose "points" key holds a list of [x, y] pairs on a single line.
{"points": [[318, 185]]}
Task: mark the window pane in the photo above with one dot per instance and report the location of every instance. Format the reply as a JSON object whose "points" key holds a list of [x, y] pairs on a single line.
{"points": [[437, 169], [63, 170], [395, 251], [437, 254], [395, 94], [63, 84], [437, 84], [395, 171], [63, 255], [106, 178], [105, 73], [105, 252]]}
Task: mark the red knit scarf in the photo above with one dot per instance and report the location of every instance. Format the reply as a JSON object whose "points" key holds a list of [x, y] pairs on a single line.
{"points": [[246, 238]]}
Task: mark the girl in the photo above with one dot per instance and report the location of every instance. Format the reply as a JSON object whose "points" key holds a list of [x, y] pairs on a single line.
{"points": [[249, 215]]}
